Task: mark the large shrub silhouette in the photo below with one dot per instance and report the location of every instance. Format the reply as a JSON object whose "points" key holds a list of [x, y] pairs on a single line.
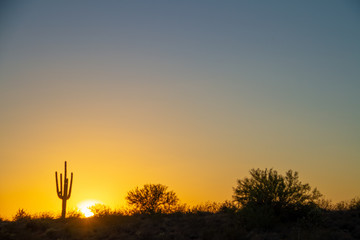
{"points": [[278, 195], [151, 199]]}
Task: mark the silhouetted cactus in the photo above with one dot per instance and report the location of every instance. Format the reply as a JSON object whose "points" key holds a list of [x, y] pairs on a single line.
{"points": [[63, 193]]}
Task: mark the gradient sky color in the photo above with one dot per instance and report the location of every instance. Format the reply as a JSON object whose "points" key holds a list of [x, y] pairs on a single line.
{"points": [[190, 94]]}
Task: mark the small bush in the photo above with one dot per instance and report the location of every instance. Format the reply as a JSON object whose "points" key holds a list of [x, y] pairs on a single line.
{"points": [[207, 207], [325, 204], [181, 208], [44, 216], [22, 215], [100, 210], [353, 204], [74, 214], [228, 207]]}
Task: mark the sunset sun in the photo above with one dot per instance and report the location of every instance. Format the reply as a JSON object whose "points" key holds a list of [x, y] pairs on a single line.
{"points": [[84, 207]]}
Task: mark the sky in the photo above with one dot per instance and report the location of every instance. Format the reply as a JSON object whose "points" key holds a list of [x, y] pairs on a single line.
{"points": [[189, 94]]}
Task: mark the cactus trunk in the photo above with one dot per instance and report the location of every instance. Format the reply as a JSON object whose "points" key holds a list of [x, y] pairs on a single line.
{"points": [[64, 192]]}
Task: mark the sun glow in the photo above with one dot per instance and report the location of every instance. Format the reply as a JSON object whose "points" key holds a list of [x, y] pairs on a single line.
{"points": [[84, 207]]}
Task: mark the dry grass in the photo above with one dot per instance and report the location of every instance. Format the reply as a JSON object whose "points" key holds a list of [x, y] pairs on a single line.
{"points": [[202, 223]]}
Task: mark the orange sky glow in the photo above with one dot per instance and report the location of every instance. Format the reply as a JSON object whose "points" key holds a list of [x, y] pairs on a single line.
{"points": [[189, 94]]}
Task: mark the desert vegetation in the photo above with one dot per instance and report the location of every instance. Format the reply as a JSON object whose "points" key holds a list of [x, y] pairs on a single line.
{"points": [[265, 205], [151, 199]]}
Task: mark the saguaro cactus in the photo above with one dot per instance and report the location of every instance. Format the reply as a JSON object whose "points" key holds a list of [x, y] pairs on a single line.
{"points": [[63, 192]]}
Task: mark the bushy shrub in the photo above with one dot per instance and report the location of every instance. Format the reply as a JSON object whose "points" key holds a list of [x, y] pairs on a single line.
{"points": [[228, 207], [283, 196], [325, 204], [181, 208], [100, 210], [21, 215], [44, 216], [74, 214], [353, 204], [207, 207], [151, 199]]}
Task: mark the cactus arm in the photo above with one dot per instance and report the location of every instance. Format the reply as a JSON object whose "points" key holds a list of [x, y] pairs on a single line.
{"points": [[57, 185], [65, 171], [71, 180], [61, 185], [56, 180]]}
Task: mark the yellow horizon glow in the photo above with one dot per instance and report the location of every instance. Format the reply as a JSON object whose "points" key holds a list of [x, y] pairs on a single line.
{"points": [[84, 207]]}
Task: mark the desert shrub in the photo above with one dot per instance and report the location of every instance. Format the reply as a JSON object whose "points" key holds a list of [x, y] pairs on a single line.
{"points": [[207, 207], [151, 199], [325, 204], [123, 211], [44, 216], [228, 207], [76, 213], [21, 215], [353, 204], [100, 210], [342, 206], [283, 196], [181, 208]]}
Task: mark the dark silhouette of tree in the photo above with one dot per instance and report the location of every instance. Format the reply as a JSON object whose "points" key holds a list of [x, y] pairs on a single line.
{"points": [[151, 199], [280, 195]]}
